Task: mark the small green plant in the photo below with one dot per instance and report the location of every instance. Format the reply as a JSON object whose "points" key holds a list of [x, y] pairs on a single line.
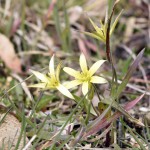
{"points": [[100, 33], [100, 119], [88, 80]]}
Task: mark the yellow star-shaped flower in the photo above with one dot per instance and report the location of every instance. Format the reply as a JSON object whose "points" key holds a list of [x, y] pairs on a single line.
{"points": [[100, 32], [51, 80], [85, 77]]}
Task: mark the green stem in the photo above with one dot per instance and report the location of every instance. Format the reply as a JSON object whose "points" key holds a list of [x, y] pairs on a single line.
{"points": [[109, 55], [88, 112], [69, 118]]}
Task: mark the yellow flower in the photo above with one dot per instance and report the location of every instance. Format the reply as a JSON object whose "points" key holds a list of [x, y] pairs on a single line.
{"points": [[100, 32], [51, 80], [85, 77]]}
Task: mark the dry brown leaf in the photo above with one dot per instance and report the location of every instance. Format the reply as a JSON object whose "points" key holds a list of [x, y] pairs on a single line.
{"points": [[96, 8], [10, 129], [82, 47], [130, 25], [75, 13], [147, 118], [8, 55], [44, 38]]}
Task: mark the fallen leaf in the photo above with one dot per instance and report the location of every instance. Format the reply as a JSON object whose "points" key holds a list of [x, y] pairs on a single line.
{"points": [[10, 129], [8, 55]]}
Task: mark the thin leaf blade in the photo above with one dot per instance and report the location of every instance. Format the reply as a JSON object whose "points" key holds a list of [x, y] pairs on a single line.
{"points": [[102, 123], [132, 68]]}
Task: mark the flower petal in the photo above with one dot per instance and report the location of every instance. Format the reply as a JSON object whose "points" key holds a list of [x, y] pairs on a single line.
{"points": [[95, 67], [39, 85], [58, 71], [96, 79], [94, 35], [40, 76], [83, 63], [98, 30], [85, 88], [51, 66], [72, 72], [103, 29], [115, 23], [72, 84], [64, 91]]}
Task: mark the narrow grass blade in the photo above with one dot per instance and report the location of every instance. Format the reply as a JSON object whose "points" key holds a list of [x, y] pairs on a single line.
{"points": [[23, 125], [136, 138], [136, 62], [99, 123], [115, 23], [68, 119], [128, 106]]}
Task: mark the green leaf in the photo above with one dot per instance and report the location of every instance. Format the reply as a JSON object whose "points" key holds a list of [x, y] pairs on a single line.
{"points": [[128, 106], [102, 122], [44, 101], [116, 146]]}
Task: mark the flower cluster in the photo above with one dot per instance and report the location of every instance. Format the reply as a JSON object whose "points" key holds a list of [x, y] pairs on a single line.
{"points": [[85, 77]]}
